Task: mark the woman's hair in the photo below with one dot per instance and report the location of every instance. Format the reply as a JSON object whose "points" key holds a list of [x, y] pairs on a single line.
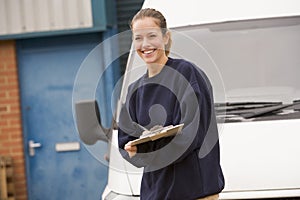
{"points": [[159, 20]]}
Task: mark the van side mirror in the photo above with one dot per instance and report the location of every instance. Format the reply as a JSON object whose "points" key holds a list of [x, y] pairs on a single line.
{"points": [[88, 122]]}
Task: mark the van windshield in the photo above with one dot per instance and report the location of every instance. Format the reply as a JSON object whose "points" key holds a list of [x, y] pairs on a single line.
{"points": [[253, 62]]}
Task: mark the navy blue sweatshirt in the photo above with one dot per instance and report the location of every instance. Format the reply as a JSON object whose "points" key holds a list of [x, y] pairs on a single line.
{"points": [[186, 166]]}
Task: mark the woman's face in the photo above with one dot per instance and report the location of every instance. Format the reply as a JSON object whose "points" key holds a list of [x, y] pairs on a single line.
{"points": [[149, 41]]}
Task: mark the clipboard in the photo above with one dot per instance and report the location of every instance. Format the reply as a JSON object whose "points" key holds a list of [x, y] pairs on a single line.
{"points": [[157, 134]]}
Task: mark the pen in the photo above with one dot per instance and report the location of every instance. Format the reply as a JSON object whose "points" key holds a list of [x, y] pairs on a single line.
{"points": [[140, 126]]}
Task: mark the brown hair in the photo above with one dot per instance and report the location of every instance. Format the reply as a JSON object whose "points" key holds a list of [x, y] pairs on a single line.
{"points": [[159, 18]]}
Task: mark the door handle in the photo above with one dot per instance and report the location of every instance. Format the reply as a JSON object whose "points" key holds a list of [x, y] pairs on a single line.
{"points": [[32, 145]]}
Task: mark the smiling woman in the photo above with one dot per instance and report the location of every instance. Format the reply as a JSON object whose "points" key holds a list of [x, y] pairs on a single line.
{"points": [[183, 94]]}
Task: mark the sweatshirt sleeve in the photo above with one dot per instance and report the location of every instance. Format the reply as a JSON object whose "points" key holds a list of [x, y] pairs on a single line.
{"points": [[197, 111], [127, 131]]}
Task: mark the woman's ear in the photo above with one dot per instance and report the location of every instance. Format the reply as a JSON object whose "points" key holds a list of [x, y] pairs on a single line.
{"points": [[167, 37]]}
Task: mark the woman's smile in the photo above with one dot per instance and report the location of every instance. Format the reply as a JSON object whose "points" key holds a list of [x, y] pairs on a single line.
{"points": [[147, 52]]}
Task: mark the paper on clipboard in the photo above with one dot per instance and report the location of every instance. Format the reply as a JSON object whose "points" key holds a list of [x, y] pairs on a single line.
{"points": [[164, 132]]}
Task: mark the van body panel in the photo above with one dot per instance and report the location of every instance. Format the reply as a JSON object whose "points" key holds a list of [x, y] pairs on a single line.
{"points": [[194, 12], [250, 52], [258, 156]]}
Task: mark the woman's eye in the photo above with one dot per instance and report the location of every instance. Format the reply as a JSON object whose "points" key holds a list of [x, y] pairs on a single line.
{"points": [[152, 36], [137, 38]]}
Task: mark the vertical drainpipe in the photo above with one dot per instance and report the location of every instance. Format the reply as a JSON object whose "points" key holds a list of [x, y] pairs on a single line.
{"points": [[111, 63]]}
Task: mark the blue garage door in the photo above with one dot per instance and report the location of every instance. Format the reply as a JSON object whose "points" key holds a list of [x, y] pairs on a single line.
{"points": [[58, 164]]}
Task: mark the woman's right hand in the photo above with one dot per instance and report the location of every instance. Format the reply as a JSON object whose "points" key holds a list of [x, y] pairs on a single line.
{"points": [[131, 149]]}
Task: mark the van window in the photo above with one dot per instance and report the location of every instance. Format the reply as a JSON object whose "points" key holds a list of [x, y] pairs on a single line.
{"points": [[253, 65]]}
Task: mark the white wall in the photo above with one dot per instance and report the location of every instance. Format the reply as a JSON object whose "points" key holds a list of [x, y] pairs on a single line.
{"points": [[22, 16]]}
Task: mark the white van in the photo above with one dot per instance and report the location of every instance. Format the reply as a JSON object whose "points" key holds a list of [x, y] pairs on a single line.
{"points": [[250, 50]]}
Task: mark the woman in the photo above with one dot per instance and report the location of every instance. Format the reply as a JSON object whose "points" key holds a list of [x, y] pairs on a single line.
{"points": [[173, 91]]}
